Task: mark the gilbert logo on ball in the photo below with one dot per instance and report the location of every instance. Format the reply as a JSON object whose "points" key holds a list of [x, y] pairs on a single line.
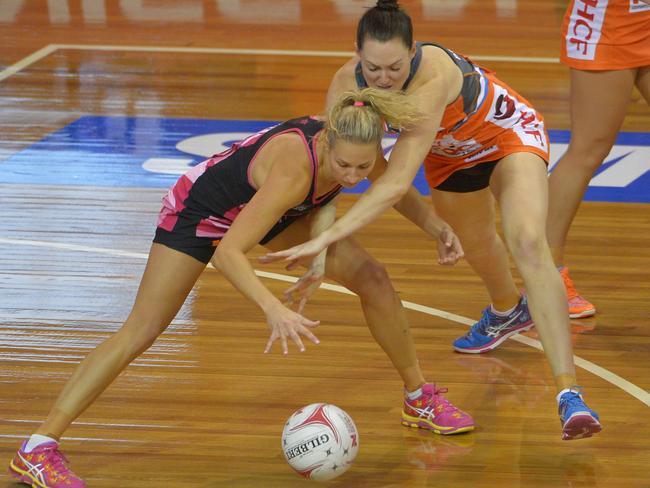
{"points": [[320, 441]]}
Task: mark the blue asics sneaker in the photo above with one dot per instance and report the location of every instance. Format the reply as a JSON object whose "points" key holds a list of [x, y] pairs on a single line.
{"points": [[489, 332], [577, 419]]}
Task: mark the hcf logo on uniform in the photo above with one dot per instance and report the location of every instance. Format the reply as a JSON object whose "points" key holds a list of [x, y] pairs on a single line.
{"points": [[585, 28]]}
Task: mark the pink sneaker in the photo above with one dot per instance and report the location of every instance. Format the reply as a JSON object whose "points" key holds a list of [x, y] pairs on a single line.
{"points": [[433, 412], [44, 467]]}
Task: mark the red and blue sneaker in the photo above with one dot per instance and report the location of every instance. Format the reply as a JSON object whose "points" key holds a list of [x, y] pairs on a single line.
{"points": [[493, 328], [577, 419]]}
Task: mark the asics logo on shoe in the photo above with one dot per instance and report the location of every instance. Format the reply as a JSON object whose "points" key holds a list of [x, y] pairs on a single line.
{"points": [[424, 412], [34, 470], [494, 330]]}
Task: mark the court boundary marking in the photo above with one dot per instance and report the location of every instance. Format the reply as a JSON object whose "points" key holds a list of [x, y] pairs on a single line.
{"points": [[612, 378], [51, 48]]}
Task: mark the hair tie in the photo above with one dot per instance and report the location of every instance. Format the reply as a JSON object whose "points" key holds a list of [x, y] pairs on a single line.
{"points": [[359, 103]]}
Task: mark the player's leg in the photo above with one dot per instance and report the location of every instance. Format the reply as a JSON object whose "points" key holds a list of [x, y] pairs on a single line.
{"points": [[643, 82], [519, 183], [168, 278], [350, 265], [598, 105], [471, 215]]}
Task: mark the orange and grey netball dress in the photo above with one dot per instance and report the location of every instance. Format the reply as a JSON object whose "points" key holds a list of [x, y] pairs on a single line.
{"points": [[488, 121]]}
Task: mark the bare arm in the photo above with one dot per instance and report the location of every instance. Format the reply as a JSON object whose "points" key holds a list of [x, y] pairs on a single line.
{"points": [[320, 222], [281, 191], [309, 282], [420, 213], [424, 216], [285, 186]]}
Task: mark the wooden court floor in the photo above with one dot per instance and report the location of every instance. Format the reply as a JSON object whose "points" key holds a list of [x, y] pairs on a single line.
{"points": [[204, 407]]}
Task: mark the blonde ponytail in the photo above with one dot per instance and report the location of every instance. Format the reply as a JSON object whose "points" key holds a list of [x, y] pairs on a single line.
{"points": [[359, 116]]}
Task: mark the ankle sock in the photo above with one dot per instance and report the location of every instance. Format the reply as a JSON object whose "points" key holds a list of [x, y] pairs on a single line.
{"points": [[559, 395], [36, 440], [412, 395], [506, 313]]}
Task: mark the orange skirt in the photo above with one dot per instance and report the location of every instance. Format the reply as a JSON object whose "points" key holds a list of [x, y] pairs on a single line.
{"points": [[505, 124], [606, 35]]}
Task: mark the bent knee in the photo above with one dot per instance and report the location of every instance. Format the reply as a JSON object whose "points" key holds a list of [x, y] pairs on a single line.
{"points": [[590, 154], [368, 278], [528, 246], [482, 241], [142, 332]]}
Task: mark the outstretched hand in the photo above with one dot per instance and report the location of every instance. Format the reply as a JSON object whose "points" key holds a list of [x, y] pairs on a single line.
{"points": [[285, 323], [449, 248]]}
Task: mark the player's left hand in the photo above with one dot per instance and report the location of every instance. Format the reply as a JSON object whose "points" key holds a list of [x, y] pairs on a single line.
{"points": [[304, 288], [449, 248]]}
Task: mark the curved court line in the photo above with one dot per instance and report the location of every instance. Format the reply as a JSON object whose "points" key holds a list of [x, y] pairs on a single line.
{"points": [[619, 382]]}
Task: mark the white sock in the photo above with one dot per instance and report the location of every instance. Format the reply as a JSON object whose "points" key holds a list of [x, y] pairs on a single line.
{"points": [[36, 440], [506, 313], [412, 395], [557, 398]]}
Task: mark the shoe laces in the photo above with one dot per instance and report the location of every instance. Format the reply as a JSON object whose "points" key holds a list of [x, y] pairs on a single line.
{"points": [[574, 399], [484, 323], [568, 284], [56, 459], [440, 403]]}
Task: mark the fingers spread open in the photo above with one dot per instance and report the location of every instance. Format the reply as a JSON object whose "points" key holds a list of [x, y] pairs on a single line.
{"points": [[310, 323], [310, 335], [269, 344], [296, 338]]}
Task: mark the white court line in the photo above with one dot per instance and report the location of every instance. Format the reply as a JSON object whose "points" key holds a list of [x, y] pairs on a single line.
{"points": [[23, 63], [50, 48], [94, 424], [630, 388], [84, 439], [273, 52]]}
